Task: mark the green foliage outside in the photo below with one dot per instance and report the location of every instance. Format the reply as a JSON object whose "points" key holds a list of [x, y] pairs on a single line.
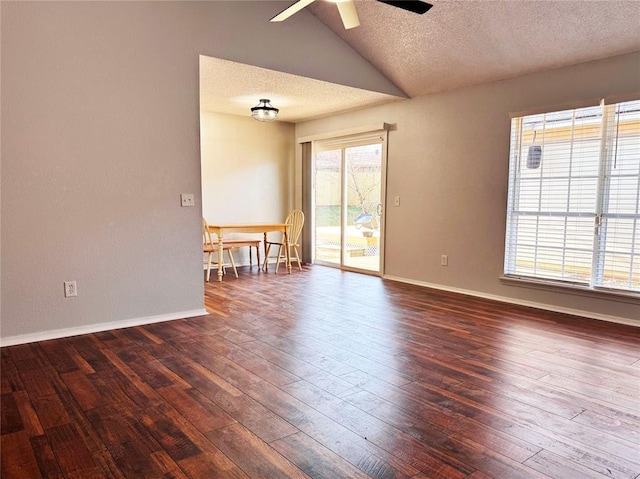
{"points": [[330, 215]]}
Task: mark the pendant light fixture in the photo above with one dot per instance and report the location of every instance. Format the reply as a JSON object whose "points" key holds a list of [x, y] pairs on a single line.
{"points": [[264, 111]]}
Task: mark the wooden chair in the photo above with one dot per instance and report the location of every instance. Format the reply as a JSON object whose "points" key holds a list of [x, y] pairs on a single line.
{"points": [[210, 248], [295, 220], [251, 243]]}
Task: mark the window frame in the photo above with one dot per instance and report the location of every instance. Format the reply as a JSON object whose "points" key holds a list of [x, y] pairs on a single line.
{"points": [[595, 283]]}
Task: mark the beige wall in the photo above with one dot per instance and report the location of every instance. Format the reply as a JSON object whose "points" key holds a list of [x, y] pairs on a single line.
{"points": [[247, 171], [100, 135], [448, 161]]}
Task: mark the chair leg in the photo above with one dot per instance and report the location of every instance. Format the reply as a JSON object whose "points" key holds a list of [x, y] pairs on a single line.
{"points": [[209, 266], [280, 248], [233, 263], [265, 266], [295, 250], [250, 257], [258, 253]]}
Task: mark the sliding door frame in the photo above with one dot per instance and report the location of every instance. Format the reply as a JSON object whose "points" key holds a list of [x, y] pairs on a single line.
{"points": [[377, 136]]}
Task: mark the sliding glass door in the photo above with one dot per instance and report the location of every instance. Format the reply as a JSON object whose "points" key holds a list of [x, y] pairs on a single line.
{"points": [[348, 208]]}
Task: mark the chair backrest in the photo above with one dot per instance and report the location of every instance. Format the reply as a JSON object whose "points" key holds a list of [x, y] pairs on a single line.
{"points": [[296, 220], [206, 235]]}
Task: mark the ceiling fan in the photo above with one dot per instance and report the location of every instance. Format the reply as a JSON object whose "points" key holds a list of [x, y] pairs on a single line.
{"points": [[347, 9]]}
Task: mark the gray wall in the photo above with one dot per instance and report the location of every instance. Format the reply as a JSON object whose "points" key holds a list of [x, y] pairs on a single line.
{"points": [[100, 135], [448, 160]]}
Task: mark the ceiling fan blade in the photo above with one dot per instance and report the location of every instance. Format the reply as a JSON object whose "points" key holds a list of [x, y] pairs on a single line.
{"points": [[415, 6], [348, 14], [287, 12]]}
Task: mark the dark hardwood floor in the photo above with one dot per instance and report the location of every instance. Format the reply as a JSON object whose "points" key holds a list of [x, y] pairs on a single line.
{"points": [[327, 374]]}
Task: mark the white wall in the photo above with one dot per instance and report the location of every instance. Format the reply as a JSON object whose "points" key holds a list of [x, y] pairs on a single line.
{"points": [[100, 135], [247, 171], [448, 160]]}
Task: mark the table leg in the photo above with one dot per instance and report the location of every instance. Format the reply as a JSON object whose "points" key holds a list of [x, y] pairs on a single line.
{"points": [[220, 257]]}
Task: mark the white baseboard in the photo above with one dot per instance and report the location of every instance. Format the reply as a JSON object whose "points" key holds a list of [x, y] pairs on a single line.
{"points": [[520, 302], [96, 328]]}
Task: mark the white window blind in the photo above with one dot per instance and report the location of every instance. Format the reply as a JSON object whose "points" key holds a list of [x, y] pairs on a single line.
{"points": [[574, 187]]}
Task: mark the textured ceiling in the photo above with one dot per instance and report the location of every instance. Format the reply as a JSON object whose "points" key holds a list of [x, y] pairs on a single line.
{"points": [[233, 88], [455, 44], [461, 43]]}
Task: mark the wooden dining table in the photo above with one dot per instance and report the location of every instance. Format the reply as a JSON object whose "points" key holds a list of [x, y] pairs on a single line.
{"points": [[222, 229]]}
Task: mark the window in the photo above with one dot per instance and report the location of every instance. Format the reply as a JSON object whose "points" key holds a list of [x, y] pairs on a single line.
{"points": [[573, 213]]}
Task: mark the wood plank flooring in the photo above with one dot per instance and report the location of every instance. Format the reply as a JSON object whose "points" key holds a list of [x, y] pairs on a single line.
{"points": [[327, 374]]}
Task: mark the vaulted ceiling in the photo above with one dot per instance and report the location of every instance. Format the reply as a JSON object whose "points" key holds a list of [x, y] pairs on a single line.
{"points": [[461, 43], [455, 44]]}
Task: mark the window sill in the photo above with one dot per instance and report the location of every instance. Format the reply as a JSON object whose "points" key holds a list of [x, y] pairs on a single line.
{"points": [[572, 288]]}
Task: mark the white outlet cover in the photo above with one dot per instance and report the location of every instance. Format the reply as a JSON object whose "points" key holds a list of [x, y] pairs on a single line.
{"points": [[70, 289], [187, 200]]}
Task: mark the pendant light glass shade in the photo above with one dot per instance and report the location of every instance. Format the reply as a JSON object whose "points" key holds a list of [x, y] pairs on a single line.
{"points": [[264, 111]]}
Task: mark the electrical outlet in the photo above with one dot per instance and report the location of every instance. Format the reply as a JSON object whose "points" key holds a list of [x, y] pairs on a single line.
{"points": [[70, 289], [187, 199], [444, 260]]}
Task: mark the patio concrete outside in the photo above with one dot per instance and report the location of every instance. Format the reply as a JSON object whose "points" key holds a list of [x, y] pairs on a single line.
{"points": [[362, 247]]}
